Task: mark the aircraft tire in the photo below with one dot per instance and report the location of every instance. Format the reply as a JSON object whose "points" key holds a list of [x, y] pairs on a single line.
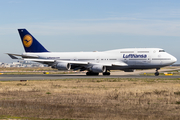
{"points": [[91, 73], [156, 73], [106, 73]]}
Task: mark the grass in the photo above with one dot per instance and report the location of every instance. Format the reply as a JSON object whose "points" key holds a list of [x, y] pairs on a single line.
{"points": [[109, 98], [33, 70], [27, 69], [175, 73], [32, 73]]}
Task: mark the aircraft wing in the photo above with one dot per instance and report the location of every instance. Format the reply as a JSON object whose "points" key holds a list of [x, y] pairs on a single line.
{"points": [[119, 64], [54, 61], [75, 62], [40, 60], [51, 61]]}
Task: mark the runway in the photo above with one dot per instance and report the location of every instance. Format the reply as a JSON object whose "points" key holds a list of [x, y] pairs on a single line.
{"points": [[67, 76], [114, 74]]}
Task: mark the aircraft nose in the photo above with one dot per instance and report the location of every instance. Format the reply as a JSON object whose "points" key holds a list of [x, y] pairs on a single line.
{"points": [[173, 59]]}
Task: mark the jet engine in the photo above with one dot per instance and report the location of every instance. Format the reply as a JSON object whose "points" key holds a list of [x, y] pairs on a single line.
{"points": [[98, 68], [63, 66]]}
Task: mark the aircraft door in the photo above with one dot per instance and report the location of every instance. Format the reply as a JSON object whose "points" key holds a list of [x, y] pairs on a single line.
{"points": [[149, 59], [97, 59], [125, 60]]}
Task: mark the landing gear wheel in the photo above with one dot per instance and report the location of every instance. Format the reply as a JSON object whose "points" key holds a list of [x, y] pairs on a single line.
{"points": [[106, 73], [156, 73], [91, 73], [88, 73]]}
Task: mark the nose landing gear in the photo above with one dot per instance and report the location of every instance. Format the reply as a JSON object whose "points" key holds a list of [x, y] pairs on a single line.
{"points": [[157, 73]]}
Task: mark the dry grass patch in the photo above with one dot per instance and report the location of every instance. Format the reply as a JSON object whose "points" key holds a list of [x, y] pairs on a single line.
{"points": [[32, 70], [110, 98], [26, 69]]}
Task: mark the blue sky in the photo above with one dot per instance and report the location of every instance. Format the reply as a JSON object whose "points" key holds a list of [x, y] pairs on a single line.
{"points": [[89, 25]]}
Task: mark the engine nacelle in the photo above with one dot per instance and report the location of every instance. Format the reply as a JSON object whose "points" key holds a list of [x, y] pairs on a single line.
{"points": [[98, 68], [129, 70], [63, 66]]}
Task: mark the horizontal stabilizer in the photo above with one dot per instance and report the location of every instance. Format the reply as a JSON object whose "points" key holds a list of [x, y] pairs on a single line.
{"points": [[23, 56], [13, 57]]}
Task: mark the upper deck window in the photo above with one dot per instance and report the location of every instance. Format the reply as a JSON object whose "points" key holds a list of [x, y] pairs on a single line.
{"points": [[161, 51], [126, 51], [143, 51]]}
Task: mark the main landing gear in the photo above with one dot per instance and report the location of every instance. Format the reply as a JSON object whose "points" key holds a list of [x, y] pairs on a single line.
{"points": [[91, 73], [157, 73], [106, 73]]}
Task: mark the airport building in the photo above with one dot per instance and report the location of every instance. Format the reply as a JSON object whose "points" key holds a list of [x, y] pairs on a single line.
{"points": [[21, 64]]}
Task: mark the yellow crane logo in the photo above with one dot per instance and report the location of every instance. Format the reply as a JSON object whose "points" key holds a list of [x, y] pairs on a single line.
{"points": [[27, 40]]}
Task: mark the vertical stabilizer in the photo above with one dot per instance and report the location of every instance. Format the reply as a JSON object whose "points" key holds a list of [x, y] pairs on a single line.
{"points": [[29, 42]]}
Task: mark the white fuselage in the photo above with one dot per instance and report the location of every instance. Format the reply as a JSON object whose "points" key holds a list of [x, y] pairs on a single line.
{"points": [[135, 58]]}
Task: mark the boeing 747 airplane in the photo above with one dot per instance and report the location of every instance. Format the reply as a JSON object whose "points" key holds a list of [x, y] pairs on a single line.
{"points": [[94, 62]]}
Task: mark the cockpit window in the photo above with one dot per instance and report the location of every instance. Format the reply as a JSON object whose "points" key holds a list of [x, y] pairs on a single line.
{"points": [[161, 51]]}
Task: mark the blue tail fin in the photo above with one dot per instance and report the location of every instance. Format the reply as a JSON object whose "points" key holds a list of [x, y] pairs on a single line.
{"points": [[30, 43]]}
